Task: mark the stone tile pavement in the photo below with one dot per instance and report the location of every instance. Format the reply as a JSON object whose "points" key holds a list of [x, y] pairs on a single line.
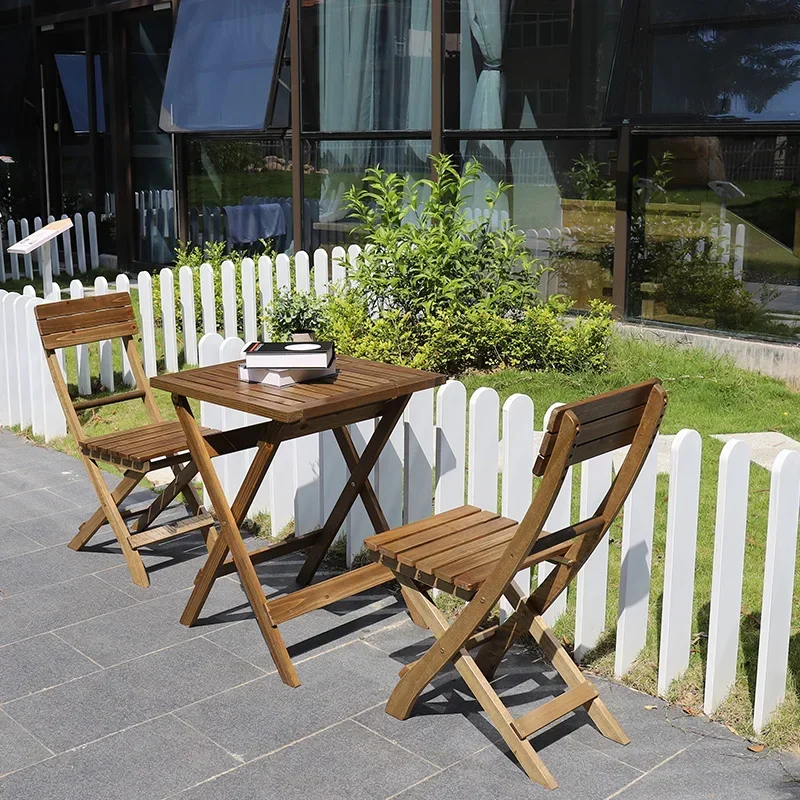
{"points": [[103, 694]]}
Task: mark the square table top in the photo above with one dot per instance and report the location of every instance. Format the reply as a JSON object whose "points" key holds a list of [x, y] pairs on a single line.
{"points": [[357, 383]]}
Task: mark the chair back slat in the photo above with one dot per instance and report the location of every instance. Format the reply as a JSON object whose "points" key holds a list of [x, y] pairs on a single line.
{"points": [[86, 320], [605, 422]]}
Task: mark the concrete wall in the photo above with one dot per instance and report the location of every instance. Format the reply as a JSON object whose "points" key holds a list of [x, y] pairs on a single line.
{"points": [[776, 360]]}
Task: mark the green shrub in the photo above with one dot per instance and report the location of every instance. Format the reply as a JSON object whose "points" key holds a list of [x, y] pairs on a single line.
{"points": [[294, 311]]}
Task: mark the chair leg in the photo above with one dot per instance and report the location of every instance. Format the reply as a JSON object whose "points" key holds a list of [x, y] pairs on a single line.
{"points": [[89, 528], [182, 478], [118, 526], [500, 716]]}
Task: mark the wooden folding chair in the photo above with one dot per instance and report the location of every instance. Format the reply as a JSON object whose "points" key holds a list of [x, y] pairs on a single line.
{"points": [[137, 451], [475, 555]]}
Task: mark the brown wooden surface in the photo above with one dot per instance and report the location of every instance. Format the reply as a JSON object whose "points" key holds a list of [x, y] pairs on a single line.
{"points": [[357, 383], [85, 320]]}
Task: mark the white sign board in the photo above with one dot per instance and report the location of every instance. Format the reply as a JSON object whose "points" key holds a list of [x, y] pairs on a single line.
{"points": [[36, 240]]}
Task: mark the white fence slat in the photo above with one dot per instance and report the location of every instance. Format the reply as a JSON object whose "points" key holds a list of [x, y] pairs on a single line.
{"points": [[451, 432], [265, 291], [283, 273], [517, 485], [484, 412], [390, 476], [360, 525], [80, 242], [37, 254], [419, 454], [123, 284], [229, 320], [11, 398], [23, 385], [776, 606], [106, 355], [24, 232], [636, 559], [302, 275], [54, 423], [249, 322], [11, 230], [592, 583], [236, 463], [308, 483], [145, 282], [334, 476], [82, 350], [54, 297], [207, 299], [67, 241], [339, 266], [679, 561], [4, 376], [91, 223], [28, 291], [2, 256], [35, 357], [726, 581], [211, 415], [54, 260], [189, 323], [281, 477], [167, 284], [320, 272]]}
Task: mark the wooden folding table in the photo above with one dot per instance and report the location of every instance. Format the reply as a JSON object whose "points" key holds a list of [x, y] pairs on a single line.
{"points": [[360, 390]]}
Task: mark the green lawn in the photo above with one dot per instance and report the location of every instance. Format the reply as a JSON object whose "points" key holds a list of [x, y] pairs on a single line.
{"points": [[705, 393]]}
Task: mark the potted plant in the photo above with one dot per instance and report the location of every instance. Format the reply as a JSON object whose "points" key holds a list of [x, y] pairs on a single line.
{"points": [[295, 315]]}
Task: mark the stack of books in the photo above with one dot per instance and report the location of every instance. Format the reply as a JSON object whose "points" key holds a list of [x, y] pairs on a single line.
{"points": [[285, 363]]}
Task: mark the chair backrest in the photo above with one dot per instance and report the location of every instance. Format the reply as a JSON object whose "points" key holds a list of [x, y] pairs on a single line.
{"points": [[84, 321], [576, 432]]}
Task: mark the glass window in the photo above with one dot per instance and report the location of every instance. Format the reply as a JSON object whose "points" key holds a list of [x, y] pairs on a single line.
{"points": [[527, 64], [562, 196], [334, 166], [709, 61], [72, 73], [367, 65], [240, 191], [715, 242], [222, 65]]}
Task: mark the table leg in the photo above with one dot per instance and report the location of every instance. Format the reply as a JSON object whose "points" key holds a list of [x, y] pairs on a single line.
{"points": [[357, 485], [231, 539]]}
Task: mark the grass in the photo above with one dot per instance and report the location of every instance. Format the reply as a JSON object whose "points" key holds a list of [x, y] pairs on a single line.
{"points": [[710, 395], [706, 393]]}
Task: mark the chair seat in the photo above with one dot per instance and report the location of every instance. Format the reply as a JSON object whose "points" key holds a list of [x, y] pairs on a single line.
{"points": [[137, 447]]}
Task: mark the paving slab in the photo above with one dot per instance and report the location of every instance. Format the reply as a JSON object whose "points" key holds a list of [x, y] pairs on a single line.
{"points": [[764, 446]]}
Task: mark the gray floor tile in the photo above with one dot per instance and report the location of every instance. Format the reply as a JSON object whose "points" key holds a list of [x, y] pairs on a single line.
{"points": [[18, 748], [13, 543], [346, 761], [149, 626], [720, 769], [404, 642], [38, 663], [149, 761], [107, 701], [29, 505], [58, 528], [51, 565], [81, 492], [266, 714], [36, 611], [19, 480], [581, 773]]}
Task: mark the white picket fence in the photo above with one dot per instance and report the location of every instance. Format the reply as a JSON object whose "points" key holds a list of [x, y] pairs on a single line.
{"points": [[449, 450], [71, 253]]}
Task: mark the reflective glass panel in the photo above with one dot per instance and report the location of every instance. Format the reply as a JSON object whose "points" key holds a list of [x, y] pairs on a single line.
{"points": [[562, 196], [367, 65], [527, 64], [222, 64], [715, 240]]}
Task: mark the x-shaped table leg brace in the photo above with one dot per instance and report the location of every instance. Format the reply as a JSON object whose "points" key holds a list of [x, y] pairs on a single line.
{"points": [[231, 516]]}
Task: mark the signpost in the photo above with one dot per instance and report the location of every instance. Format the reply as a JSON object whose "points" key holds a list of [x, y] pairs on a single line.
{"points": [[37, 240]]}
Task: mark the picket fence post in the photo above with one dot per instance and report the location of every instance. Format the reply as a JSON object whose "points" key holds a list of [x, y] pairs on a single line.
{"points": [[265, 289], [11, 415], [679, 561], [80, 242], [419, 456], [338, 266], [4, 376], [67, 242], [186, 291], [208, 299], [122, 284], [451, 431], [776, 605], [23, 362], [302, 276], [320, 272], [592, 590], [145, 282], [726, 580], [249, 321], [283, 275], [517, 486], [91, 221], [52, 420], [484, 412], [24, 232], [13, 258], [229, 321], [166, 280], [106, 356], [81, 350], [637, 553]]}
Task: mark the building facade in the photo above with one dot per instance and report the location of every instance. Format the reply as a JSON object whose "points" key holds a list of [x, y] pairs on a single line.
{"points": [[652, 145]]}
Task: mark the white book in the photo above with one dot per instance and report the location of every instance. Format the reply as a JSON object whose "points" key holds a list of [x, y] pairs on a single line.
{"points": [[282, 377]]}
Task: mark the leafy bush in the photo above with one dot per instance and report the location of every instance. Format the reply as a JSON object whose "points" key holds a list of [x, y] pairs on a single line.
{"points": [[292, 312]]}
